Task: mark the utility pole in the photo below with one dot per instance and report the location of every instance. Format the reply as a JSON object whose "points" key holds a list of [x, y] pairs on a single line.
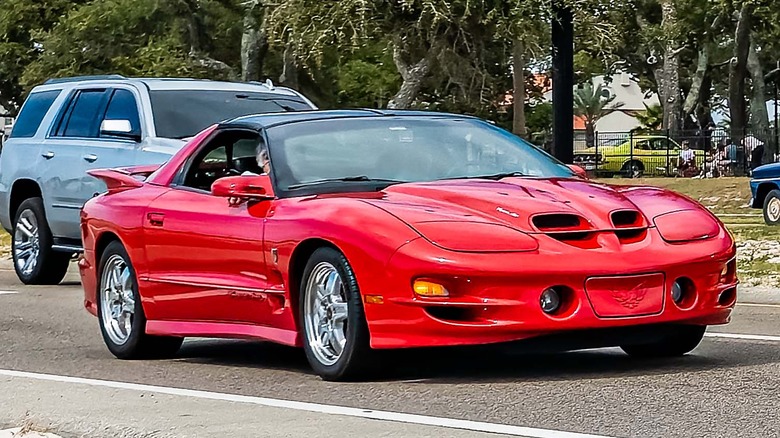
{"points": [[563, 82]]}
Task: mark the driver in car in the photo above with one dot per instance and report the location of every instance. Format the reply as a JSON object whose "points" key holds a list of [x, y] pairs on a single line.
{"points": [[262, 160]]}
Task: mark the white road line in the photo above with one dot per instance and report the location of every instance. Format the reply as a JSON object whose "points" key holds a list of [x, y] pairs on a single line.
{"points": [[8, 292], [757, 305], [476, 426], [741, 336]]}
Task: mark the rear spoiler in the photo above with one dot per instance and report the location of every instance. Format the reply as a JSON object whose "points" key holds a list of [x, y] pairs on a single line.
{"points": [[124, 178]]}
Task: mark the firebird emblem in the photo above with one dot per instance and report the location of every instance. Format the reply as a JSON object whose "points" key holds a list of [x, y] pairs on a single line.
{"points": [[631, 298], [505, 211]]}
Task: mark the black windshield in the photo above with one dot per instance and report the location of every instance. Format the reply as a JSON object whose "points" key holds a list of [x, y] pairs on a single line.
{"points": [[184, 113]]}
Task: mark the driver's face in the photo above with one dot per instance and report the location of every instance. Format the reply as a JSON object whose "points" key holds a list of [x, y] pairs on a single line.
{"points": [[265, 163]]}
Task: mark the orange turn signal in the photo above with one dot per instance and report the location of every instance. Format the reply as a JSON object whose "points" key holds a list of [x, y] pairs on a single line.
{"points": [[429, 289]]}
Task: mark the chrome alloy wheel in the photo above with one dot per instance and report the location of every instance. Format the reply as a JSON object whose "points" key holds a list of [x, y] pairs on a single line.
{"points": [[325, 313], [27, 245], [117, 299], [773, 209]]}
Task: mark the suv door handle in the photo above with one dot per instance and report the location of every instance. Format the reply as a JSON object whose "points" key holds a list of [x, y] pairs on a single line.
{"points": [[48, 155], [90, 157], [155, 219]]}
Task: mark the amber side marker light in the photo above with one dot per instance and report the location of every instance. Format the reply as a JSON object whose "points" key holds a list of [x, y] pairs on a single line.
{"points": [[374, 299], [427, 288]]}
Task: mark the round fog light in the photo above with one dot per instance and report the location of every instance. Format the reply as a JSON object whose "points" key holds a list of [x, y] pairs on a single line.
{"points": [[550, 300], [677, 292]]}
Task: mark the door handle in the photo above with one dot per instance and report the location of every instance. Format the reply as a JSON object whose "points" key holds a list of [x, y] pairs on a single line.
{"points": [[48, 155], [90, 157], [155, 219]]}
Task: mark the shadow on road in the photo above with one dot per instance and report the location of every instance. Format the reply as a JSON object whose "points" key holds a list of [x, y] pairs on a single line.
{"points": [[505, 363]]}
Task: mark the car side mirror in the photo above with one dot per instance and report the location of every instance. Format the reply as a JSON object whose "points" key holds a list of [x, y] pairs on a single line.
{"points": [[579, 171], [119, 128], [247, 188]]}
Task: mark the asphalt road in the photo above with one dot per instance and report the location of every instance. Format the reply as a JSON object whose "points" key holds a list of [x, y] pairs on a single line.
{"points": [[727, 387]]}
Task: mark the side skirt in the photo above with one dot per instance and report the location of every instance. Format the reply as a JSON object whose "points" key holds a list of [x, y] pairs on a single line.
{"points": [[222, 330]]}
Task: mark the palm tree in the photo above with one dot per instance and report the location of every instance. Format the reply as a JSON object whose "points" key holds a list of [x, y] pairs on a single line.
{"points": [[591, 105]]}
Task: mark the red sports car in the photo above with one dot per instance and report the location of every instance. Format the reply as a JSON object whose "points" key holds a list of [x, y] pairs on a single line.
{"points": [[349, 231]]}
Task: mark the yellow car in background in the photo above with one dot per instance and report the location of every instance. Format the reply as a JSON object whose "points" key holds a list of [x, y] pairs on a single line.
{"points": [[634, 157]]}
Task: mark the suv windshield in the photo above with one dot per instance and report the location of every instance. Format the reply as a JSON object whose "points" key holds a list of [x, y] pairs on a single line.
{"points": [[401, 149], [184, 113]]}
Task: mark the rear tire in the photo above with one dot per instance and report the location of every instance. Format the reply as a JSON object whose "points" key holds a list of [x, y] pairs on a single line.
{"points": [[336, 345], [31, 245], [772, 208], [120, 313], [684, 340]]}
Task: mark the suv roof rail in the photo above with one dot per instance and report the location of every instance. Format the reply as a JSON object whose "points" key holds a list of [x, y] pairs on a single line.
{"points": [[83, 78]]}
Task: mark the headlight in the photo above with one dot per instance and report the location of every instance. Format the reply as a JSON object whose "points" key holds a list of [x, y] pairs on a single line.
{"points": [[686, 226]]}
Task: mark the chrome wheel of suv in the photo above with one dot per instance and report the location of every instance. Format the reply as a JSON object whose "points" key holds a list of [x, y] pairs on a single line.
{"points": [[35, 261], [27, 245]]}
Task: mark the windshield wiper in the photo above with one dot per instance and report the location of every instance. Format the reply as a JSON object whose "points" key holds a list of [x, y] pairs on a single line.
{"points": [[358, 178], [495, 176]]}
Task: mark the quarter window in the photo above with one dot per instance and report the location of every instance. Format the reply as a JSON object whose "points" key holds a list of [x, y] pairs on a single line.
{"points": [[33, 112]]}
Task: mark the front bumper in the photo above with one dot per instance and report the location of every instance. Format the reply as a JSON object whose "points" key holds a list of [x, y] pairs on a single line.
{"points": [[495, 297]]}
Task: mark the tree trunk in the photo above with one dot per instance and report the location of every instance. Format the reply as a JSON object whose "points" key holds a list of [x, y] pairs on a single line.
{"points": [[590, 134], [412, 75], [670, 83], [737, 74], [518, 93], [289, 76], [758, 113], [254, 42], [702, 65]]}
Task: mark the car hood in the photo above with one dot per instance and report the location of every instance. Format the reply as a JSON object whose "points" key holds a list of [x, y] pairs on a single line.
{"points": [[517, 203], [771, 170]]}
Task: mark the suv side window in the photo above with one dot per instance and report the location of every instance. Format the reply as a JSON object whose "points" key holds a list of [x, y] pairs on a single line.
{"points": [[82, 116], [33, 112], [123, 106]]}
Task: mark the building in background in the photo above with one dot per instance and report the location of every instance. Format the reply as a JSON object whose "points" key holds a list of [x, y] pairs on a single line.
{"points": [[626, 91]]}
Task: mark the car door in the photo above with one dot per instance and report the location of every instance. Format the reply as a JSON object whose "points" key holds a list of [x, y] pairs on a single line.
{"points": [[116, 144], [62, 171], [203, 253]]}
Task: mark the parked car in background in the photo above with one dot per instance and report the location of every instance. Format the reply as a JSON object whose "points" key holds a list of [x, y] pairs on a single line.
{"points": [[634, 157], [765, 191], [68, 126]]}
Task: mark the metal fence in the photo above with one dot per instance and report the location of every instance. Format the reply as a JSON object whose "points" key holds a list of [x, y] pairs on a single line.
{"points": [[713, 152]]}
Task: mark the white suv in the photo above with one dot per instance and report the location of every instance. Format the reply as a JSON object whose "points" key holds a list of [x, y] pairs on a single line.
{"points": [[68, 126]]}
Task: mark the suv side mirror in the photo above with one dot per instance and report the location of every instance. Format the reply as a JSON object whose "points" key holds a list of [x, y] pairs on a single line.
{"points": [[119, 128], [248, 188]]}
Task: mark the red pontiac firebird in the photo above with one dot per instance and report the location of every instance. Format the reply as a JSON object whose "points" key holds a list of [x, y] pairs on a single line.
{"points": [[349, 231]]}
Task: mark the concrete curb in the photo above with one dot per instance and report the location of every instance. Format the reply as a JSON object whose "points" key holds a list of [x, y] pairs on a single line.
{"points": [[20, 432]]}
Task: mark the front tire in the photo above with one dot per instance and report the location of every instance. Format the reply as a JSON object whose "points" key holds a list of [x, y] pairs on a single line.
{"points": [[682, 341], [120, 313], [336, 337], [633, 169], [772, 208], [35, 262]]}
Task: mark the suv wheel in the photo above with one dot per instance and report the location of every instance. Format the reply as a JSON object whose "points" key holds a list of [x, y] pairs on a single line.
{"points": [[34, 260]]}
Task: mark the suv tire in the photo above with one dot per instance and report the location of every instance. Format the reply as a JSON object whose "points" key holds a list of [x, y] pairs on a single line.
{"points": [[31, 246]]}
